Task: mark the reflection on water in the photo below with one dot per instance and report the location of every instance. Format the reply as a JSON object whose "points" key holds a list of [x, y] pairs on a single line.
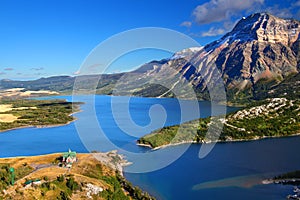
{"points": [[238, 181]]}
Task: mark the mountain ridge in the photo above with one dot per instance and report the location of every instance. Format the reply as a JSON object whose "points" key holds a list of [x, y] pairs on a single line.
{"points": [[260, 53], [243, 61]]}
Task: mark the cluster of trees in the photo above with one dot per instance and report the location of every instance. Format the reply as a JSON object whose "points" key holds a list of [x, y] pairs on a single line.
{"points": [[160, 137], [47, 112], [120, 185], [116, 182], [134, 192], [65, 185], [115, 192], [6, 176], [190, 131], [289, 175], [290, 178], [282, 122]]}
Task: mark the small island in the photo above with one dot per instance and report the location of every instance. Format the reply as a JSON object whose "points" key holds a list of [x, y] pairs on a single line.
{"points": [[276, 117]]}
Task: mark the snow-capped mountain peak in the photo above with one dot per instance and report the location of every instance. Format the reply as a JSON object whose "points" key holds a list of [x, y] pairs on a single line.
{"points": [[186, 53]]}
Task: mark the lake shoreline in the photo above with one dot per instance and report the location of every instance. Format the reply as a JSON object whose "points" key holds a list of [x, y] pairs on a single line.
{"points": [[219, 141], [232, 160], [46, 126], [48, 168], [38, 126]]}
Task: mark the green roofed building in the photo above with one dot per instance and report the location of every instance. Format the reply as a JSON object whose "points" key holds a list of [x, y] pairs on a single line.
{"points": [[68, 158]]}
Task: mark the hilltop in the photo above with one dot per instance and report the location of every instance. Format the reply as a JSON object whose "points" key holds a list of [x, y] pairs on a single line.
{"points": [[88, 178]]}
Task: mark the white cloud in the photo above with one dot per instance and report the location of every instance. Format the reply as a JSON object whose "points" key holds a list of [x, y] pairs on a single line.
{"points": [[187, 24], [94, 66], [280, 12], [9, 69], [224, 14], [213, 32], [296, 4], [220, 30], [222, 10], [76, 73], [37, 68]]}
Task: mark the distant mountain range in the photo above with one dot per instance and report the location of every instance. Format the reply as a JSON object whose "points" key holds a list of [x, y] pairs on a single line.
{"points": [[259, 58]]}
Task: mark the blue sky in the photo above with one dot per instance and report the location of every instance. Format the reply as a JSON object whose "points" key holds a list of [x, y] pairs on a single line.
{"points": [[53, 37]]}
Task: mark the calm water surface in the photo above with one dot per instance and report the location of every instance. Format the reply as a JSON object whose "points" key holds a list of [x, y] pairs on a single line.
{"points": [[230, 171]]}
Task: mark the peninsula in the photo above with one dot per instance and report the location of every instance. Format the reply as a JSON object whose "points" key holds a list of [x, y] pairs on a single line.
{"points": [[274, 117], [45, 177], [20, 113]]}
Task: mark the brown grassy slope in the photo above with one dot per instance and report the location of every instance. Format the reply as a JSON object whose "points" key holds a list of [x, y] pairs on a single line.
{"points": [[43, 167]]}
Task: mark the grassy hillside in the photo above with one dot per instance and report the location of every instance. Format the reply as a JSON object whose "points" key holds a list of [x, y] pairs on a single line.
{"points": [[84, 179], [22, 113], [288, 88], [270, 118]]}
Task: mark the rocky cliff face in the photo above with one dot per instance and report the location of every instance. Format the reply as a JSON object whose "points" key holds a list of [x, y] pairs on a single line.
{"points": [[260, 50], [259, 47]]}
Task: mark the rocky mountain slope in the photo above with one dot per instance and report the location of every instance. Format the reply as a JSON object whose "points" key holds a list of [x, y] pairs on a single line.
{"points": [[261, 48], [259, 55]]}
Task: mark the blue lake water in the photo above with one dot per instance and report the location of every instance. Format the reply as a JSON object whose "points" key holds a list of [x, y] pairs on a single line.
{"points": [[230, 171]]}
